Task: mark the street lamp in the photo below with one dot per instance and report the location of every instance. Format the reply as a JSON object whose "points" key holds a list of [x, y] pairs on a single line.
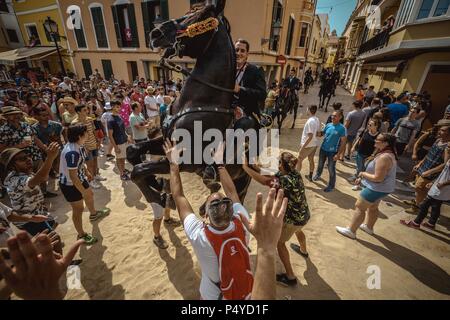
{"points": [[52, 28]]}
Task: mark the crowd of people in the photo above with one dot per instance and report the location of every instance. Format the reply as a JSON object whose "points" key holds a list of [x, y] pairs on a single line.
{"points": [[59, 129]]}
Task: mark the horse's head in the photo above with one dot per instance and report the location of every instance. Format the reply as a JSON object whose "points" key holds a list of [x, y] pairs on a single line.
{"points": [[190, 34]]}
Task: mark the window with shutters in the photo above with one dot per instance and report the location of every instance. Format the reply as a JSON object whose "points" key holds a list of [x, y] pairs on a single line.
{"points": [[153, 12], [33, 35], [107, 69], [303, 35], [78, 30], [99, 26], [87, 67], [277, 20], [125, 25], [290, 35]]}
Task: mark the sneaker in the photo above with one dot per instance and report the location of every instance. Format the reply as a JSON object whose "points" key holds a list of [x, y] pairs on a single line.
{"points": [[429, 225], [160, 243], [285, 281], [347, 158], [110, 157], [366, 229], [352, 178], [410, 224], [346, 232], [100, 178], [297, 249], [412, 210], [316, 178], [88, 239], [95, 185], [126, 171], [356, 188], [125, 177], [328, 189]]}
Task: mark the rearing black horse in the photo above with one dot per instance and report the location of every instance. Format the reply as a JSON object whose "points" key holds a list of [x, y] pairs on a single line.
{"points": [[202, 34]]}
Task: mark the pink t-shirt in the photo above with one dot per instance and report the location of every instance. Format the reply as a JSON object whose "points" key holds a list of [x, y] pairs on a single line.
{"points": [[125, 111]]}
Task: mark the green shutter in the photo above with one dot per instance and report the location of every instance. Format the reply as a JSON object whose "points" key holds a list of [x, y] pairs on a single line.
{"points": [[133, 26], [164, 9], [146, 18], [87, 67], [107, 69], [117, 27]]}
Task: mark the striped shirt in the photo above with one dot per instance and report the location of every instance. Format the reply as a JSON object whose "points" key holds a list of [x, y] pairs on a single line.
{"points": [[91, 141], [434, 158]]}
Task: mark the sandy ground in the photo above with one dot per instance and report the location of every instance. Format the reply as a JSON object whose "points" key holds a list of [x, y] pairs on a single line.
{"points": [[125, 264]]}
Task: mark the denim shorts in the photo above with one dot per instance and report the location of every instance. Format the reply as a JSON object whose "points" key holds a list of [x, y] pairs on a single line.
{"points": [[372, 196]]}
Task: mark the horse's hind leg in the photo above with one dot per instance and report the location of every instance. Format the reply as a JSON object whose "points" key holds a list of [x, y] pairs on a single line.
{"points": [[328, 102], [295, 115]]}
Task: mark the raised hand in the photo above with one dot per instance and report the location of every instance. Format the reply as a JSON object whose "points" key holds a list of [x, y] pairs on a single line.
{"points": [[37, 271], [52, 150]]}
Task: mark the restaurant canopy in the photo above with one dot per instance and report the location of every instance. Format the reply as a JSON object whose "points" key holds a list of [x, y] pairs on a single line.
{"points": [[16, 55]]}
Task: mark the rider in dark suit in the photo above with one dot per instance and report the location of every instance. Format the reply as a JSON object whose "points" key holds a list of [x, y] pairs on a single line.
{"points": [[292, 83], [250, 90]]}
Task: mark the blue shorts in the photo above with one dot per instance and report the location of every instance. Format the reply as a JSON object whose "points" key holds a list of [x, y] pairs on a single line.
{"points": [[372, 196], [91, 155]]}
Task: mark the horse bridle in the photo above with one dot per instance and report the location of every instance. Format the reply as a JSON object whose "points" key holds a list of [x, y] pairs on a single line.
{"points": [[192, 31]]}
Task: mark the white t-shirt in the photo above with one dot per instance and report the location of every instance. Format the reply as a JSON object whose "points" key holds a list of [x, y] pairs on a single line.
{"points": [[160, 99], [312, 125], [150, 101], [106, 93], [65, 86], [5, 212], [106, 117], [194, 228]]}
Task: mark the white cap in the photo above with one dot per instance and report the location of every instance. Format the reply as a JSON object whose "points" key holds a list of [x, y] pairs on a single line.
{"points": [[108, 106]]}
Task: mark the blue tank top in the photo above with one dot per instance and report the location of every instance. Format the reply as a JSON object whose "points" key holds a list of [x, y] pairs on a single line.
{"points": [[388, 184]]}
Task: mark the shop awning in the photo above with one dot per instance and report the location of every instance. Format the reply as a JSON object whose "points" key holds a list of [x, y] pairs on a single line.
{"points": [[12, 56], [385, 66]]}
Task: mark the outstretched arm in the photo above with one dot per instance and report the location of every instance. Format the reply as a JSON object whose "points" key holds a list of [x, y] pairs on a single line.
{"points": [[228, 185], [266, 228], [183, 206]]}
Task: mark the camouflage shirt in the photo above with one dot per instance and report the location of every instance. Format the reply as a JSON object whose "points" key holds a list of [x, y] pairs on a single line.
{"points": [[297, 212]]}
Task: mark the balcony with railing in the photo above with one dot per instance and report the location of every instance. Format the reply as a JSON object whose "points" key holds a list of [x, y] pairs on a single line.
{"points": [[377, 42]]}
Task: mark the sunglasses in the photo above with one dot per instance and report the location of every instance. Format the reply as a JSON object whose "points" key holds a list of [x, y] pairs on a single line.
{"points": [[218, 202]]}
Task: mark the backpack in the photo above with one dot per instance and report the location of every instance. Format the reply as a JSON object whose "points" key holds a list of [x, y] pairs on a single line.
{"points": [[236, 278]]}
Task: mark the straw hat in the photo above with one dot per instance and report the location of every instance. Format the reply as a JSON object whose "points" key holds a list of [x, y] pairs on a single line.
{"points": [[7, 111], [68, 100]]}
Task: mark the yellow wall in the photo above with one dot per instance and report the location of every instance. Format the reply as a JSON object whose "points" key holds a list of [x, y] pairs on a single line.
{"points": [[38, 19]]}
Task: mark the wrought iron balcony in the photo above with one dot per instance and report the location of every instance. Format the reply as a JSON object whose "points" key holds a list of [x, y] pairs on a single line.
{"points": [[375, 43]]}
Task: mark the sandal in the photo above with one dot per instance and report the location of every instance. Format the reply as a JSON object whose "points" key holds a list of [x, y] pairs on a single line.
{"points": [[285, 281], [296, 248], [88, 239], [99, 214], [160, 243], [410, 224]]}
